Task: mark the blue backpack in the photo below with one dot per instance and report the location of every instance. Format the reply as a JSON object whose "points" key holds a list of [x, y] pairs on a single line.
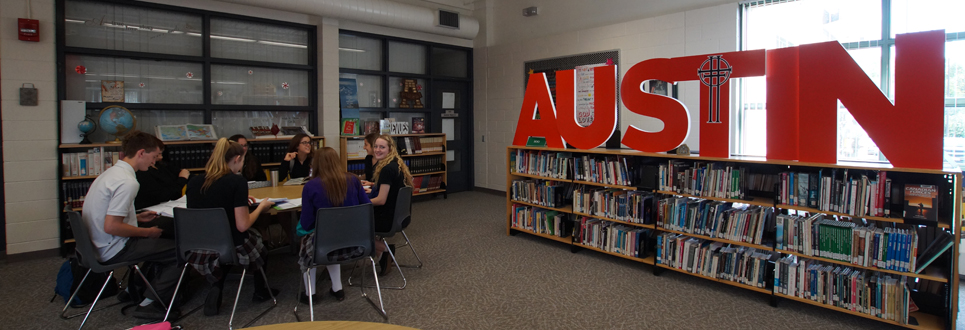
{"points": [[69, 277]]}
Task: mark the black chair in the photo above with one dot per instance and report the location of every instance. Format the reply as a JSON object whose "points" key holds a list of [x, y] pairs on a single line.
{"points": [[87, 257], [207, 230], [403, 207], [339, 228], [403, 210]]}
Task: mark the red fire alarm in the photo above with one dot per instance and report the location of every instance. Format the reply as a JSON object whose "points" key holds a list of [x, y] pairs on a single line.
{"points": [[28, 29]]}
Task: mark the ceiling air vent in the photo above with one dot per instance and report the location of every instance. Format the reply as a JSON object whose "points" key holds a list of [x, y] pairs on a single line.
{"points": [[448, 19]]}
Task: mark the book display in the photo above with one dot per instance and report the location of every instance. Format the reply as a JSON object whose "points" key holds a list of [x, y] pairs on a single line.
{"points": [[82, 163], [424, 154], [879, 243]]}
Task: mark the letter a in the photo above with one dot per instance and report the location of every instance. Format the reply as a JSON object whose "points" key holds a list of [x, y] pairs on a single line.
{"points": [[538, 97]]}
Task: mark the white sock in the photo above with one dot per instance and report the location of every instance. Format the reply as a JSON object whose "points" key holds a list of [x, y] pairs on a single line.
{"points": [[145, 302], [335, 273], [311, 280]]}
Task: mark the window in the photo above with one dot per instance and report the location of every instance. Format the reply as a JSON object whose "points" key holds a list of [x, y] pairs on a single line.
{"points": [[864, 29]]}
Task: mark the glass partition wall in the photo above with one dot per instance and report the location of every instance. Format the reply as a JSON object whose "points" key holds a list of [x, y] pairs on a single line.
{"points": [[178, 66]]}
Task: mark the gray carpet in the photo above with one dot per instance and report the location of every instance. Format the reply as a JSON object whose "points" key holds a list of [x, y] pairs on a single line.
{"points": [[476, 277]]}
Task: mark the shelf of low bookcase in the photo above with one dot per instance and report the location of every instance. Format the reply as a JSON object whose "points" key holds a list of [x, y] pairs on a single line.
{"points": [[925, 320], [566, 240], [722, 240], [82, 177], [428, 173], [69, 240], [868, 217], [760, 201], [351, 159], [931, 273], [615, 220], [538, 177], [428, 192], [565, 209], [270, 164], [648, 260], [424, 154], [731, 283], [604, 185]]}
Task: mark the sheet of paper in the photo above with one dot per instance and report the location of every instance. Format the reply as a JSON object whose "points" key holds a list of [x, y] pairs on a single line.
{"points": [[166, 209], [448, 100], [289, 204], [448, 127]]}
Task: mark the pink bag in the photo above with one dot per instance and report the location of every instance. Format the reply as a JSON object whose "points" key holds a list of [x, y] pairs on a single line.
{"points": [[154, 326]]}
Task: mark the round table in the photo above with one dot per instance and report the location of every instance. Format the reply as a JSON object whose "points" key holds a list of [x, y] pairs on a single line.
{"points": [[332, 325], [290, 192]]}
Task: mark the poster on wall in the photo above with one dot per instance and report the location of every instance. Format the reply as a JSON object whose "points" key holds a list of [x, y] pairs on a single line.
{"points": [[112, 91], [584, 94]]}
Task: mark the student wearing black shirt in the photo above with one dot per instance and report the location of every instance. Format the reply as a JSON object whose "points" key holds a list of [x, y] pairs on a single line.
{"points": [[298, 160], [251, 170], [223, 187], [391, 174], [160, 183]]}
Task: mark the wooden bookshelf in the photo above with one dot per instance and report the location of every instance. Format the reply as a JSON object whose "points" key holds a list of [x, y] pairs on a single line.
{"points": [[567, 240], [948, 178], [565, 209], [438, 156]]}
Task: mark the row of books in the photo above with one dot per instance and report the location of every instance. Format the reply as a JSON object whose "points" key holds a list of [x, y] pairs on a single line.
{"points": [[725, 220], [265, 152], [425, 165], [74, 193], [613, 237], [413, 145], [761, 182], [630, 206], [607, 170], [708, 179], [192, 156], [866, 246], [718, 260], [856, 193], [540, 192], [551, 164], [541, 221], [424, 183], [881, 295], [93, 162]]}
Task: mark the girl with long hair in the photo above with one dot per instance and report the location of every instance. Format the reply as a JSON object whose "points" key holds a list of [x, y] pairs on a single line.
{"points": [[330, 186], [390, 175], [222, 187], [298, 160]]}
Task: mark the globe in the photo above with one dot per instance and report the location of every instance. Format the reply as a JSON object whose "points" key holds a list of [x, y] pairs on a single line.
{"points": [[116, 120], [86, 126]]}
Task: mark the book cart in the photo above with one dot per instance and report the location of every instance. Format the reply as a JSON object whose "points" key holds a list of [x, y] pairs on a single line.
{"points": [[190, 155], [424, 154], [815, 243]]}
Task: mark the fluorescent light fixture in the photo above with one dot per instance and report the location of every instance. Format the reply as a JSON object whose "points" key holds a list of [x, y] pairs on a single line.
{"points": [[230, 83], [159, 30], [351, 50], [283, 44], [194, 34], [177, 32], [231, 38], [68, 20]]}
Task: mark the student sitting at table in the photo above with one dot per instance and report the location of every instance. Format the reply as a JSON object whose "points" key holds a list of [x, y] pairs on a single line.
{"points": [[251, 170], [222, 187], [298, 160], [161, 182], [369, 161], [330, 186], [390, 175]]}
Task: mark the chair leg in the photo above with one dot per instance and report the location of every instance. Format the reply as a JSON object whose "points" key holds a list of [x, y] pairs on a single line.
{"points": [[381, 307], [147, 283], [63, 313], [175, 294], [307, 284], [237, 295], [274, 302], [409, 244], [404, 282], [93, 303]]}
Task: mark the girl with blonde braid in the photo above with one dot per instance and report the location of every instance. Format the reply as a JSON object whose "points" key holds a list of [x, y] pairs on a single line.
{"points": [[389, 176]]}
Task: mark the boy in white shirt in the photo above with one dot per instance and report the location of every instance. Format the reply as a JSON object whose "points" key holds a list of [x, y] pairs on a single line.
{"points": [[112, 223]]}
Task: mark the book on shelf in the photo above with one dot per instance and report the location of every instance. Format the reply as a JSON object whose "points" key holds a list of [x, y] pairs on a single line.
{"points": [[350, 126], [348, 92], [935, 249], [919, 202], [370, 126], [613, 237], [418, 125], [540, 220], [355, 148]]}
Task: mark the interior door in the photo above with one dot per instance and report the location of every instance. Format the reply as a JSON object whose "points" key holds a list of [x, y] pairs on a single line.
{"points": [[455, 119]]}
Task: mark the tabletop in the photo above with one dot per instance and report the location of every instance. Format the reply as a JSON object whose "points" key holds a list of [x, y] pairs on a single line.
{"points": [[332, 325], [290, 192]]}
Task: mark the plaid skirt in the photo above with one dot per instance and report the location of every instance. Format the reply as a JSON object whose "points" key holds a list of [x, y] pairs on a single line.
{"points": [[251, 252], [306, 255]]}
